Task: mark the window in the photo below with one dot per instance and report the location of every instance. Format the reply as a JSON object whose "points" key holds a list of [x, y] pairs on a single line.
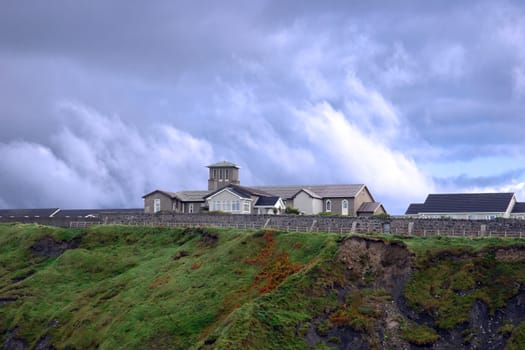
{"points": [[226, 174], [156, 205], [214, 174], [220, 174], [227, 206], [246, 207], [190, 210], [236, 206], [345, 204], [328, 206]]}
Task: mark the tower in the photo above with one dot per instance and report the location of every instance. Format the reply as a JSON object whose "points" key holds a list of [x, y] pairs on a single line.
{"points": [[222, 174]]}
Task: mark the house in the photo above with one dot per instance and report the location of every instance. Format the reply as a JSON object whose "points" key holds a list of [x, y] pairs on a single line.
{"points": [[476, 206], [180, 202], [226, 194], [238, 199], [335, 199]]}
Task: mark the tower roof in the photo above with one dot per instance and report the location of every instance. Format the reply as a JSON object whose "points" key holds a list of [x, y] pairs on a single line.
{"points": [[223, 164]]}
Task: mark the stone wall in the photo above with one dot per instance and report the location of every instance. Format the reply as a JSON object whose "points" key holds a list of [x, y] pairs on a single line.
{"points": [[335, 224]]}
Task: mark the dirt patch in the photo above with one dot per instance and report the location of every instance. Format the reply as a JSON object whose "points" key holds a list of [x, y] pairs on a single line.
{"points": [[503, 254], [510, 254], [180, 254], [208, 238], [376, 263], [50, 248], [368, 316]]}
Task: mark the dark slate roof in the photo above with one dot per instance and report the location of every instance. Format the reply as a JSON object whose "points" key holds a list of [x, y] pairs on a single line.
{"points": [[241, 191], [47, 212], [369, 207], [323, 191], [519, 207], [414, 208], [266, 201], [466, 202], [223, 164]]}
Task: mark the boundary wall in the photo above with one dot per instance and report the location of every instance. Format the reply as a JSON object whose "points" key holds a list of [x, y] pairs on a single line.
{"points": [[394, 225]]}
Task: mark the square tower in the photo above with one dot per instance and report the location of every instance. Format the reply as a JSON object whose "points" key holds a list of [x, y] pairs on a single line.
{"points": [[222, 174]]}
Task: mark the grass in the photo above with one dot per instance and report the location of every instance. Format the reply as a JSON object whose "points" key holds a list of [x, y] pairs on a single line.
{"points": [[446, 284], [154, 288], [419, 334], [128, 287]]}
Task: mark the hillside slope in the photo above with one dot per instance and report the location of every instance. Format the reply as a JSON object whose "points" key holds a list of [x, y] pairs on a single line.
{"points": [[118, 287]]}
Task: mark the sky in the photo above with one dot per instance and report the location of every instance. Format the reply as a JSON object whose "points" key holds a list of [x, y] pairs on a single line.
{"points": [[102, 102]]}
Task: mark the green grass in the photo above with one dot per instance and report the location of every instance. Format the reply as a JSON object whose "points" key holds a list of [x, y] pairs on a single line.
{"points": [[449, 281], [419, 334], [155, 288], [124, 288]]}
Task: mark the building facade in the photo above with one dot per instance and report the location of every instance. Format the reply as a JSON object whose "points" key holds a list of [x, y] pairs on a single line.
{"points": [[225, 194], [471, 206]]}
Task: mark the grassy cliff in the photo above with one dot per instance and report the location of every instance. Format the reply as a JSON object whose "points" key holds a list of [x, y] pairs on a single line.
{"points": [[119, 287]]}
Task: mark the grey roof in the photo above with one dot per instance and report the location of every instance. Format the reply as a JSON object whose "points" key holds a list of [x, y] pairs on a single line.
{"points": [[519, 207], [192, 196], [266, 201], [465, 203], [44, 212], [183, 196], [323, 191], [167, 193], [369, 207], [308, 192], [223, 164]]}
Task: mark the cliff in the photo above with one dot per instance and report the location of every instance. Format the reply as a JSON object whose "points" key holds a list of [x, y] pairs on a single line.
{"points": [[125, 287]]}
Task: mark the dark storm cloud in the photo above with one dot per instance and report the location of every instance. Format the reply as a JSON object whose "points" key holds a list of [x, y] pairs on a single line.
{"points": [[429, 81], [465, 181]]}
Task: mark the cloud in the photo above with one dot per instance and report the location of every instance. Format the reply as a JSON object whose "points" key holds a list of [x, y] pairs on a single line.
{"points": [[100, 161], [33, 176], [517, 187], [175, 86], [448, 62], [347, 153], [463, 181]]}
